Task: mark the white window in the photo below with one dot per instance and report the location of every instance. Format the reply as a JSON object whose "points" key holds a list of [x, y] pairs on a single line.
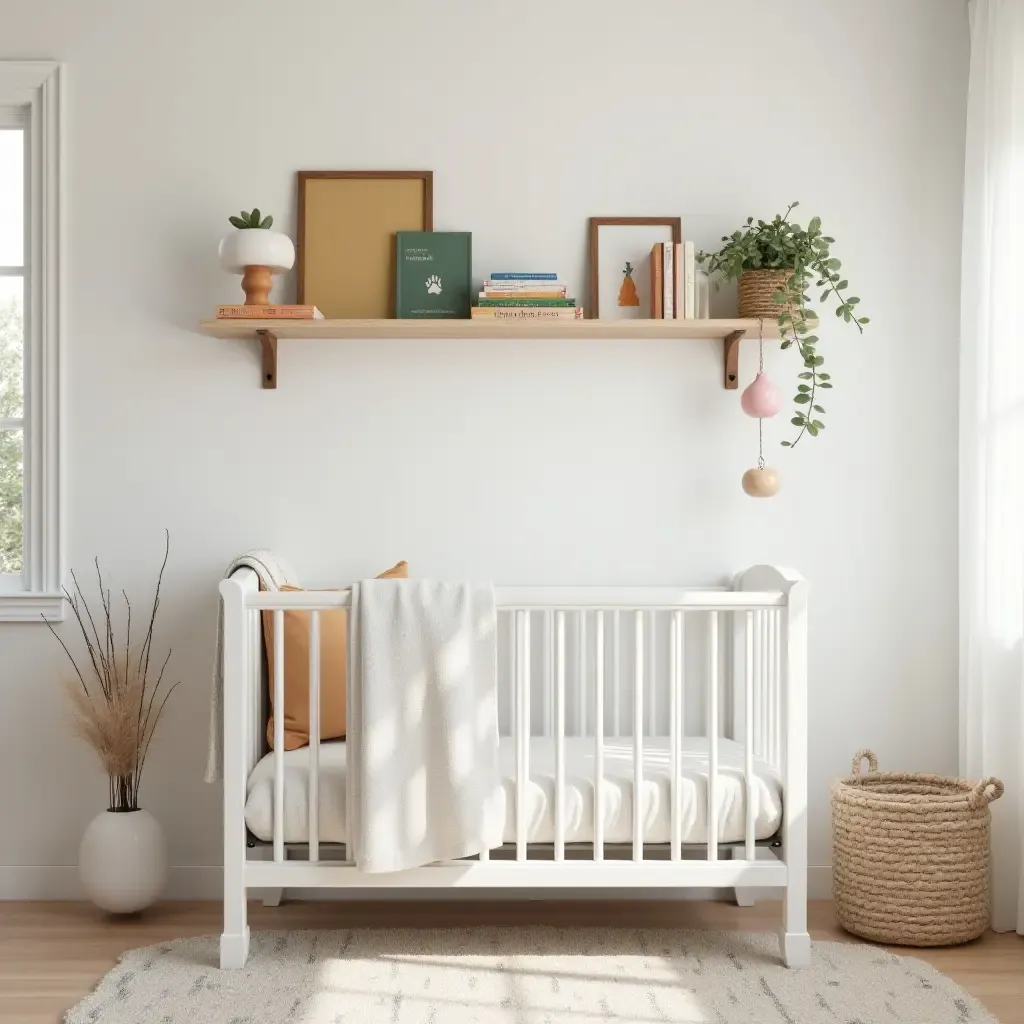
{"points": [[31, 328]]}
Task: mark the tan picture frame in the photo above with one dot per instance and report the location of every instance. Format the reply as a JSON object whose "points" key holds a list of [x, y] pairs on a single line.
{"points": [[345, 248], [674, 224]]}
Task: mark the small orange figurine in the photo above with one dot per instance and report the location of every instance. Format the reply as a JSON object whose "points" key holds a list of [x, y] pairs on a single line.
{"points": [[627, 293]]}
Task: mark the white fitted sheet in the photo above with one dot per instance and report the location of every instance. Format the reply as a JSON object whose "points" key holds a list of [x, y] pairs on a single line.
{"points": [[540, 803]]}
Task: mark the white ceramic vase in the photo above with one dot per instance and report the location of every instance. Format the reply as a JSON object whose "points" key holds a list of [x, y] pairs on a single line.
{"points": [[257, 254], [123, 861], [256, 247]]}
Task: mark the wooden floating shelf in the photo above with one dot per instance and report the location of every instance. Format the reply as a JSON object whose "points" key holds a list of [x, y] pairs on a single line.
{"points": [[269, 332]]}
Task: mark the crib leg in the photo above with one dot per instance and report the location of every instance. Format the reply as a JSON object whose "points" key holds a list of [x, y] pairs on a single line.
{"points": [[272, 897], [794, 940], [234, 941], [795, 948], [744, 895]]}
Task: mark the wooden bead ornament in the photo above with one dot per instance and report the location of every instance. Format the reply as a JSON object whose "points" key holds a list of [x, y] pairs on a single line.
{"points": [[761, 399], [761, 482]]}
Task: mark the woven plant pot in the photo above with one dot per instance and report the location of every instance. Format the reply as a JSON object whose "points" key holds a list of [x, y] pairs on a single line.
{"points": [[756, 288], [910, 855]]}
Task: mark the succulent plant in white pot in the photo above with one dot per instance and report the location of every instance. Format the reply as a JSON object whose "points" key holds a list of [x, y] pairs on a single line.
{"points": [[257, 253]]}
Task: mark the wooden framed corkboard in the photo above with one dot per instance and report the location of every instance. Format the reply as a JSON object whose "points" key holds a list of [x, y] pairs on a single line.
{"points": [[346, 237]]}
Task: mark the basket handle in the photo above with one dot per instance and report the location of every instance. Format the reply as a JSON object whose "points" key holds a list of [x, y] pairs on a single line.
{"points": [[860, 756], [984, 793]]}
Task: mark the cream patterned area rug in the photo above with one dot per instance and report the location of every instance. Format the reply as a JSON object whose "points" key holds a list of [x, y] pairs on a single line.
{"points": [[522, 976]]}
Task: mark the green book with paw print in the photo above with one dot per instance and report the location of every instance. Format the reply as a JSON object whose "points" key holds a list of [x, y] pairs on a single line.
{"points": [[432, 274]]}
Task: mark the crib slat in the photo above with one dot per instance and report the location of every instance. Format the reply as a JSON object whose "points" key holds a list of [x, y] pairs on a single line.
{"points": [[314, 736], [253, 725], [616, 672], [766, 683], [652, 674], [513, 707], [560, 736], [712, 817], [776, 688], [759, 691], [522, 728], [581, 673], [770, 673], [549, 667], [599, 737], [279, 736], [517, 734], [638, 742], [674, 737], [748, 738]]}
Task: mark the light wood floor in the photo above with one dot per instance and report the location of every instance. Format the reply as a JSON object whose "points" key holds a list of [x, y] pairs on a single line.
{"points": [[52, 954]]}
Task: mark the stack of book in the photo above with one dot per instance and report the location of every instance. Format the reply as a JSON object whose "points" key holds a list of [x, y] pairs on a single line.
{"points": [[679, 288], [521, 295]]}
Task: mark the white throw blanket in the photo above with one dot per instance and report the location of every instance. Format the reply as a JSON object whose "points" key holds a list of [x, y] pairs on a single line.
{"points": [[274, 573], [423, 779]]}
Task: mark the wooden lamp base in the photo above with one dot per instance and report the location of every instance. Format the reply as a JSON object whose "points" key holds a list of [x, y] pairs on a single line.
{"points": [[256, 283]]}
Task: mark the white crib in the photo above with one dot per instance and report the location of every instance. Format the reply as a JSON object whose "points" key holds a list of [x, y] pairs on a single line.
{"points": [[578, 666]]}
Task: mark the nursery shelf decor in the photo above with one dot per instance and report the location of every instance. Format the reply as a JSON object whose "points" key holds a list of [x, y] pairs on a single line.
{"points": [[118, 695], [257, 253], [776, 263]]}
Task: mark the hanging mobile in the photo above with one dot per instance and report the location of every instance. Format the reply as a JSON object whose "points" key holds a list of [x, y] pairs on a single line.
{"points": [[760, 399]]}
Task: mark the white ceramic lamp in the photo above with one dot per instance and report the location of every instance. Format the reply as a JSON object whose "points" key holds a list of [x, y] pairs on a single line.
{"points": [[257, 254]]}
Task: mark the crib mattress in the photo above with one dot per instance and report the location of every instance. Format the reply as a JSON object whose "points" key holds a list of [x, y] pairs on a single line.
{"points": [[540, 802]]}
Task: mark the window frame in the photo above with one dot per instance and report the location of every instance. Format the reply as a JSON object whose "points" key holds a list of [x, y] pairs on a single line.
{"points": [[38, 88]]}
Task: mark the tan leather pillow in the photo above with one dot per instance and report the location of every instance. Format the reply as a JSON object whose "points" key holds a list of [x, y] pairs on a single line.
{"points": [[333, 654]]}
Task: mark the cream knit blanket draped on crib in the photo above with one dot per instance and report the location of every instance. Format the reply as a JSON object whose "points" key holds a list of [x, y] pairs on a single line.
{"points": [[423, 779]]}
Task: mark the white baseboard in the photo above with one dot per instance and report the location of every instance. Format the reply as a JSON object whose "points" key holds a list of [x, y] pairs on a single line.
{"points": [[196, 882], [60, 882]]}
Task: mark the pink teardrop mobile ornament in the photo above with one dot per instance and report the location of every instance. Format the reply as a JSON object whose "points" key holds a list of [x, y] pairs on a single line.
{"points": [[760, 398]]}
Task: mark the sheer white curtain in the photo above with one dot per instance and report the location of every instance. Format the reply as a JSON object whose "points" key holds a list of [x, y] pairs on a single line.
{"points": [[992, 439]]}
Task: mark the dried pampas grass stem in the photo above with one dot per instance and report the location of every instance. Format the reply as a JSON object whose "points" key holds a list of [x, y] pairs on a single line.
{"points": [[115, 705]]}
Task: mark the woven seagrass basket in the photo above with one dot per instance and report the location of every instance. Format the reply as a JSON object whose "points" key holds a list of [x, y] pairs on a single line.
{"points": [[756, 288], [910, 855]]}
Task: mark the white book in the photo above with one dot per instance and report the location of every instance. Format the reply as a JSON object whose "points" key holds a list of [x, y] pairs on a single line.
{"points": [[668, 309], [689, 281], [703, 295]]}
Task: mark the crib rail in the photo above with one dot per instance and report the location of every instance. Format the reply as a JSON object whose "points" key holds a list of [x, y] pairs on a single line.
{"points": [[662, 630]]}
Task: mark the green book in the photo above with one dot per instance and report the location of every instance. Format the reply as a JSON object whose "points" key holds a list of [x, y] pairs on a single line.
{"points": [[432, 274]]}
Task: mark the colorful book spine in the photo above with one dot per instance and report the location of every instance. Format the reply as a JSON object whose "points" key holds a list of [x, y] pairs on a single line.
{"points": [[668, 309], [657, 285], [511, 286], [528, 313], [526, 302], [515, 275], [269, 313], [690, 281], [546, 293], [680, 292]]}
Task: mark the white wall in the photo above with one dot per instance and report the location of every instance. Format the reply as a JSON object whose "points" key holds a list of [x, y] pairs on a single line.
{"points": [[538, 462]]}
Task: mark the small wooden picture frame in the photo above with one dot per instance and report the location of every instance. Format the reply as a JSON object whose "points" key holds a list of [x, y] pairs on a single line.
{"points": [[345, 251], [617, 243]]}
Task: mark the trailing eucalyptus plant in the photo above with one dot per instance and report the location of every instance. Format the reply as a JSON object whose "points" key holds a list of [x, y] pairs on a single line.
{"points": [[251, 220], [805, 253]]}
